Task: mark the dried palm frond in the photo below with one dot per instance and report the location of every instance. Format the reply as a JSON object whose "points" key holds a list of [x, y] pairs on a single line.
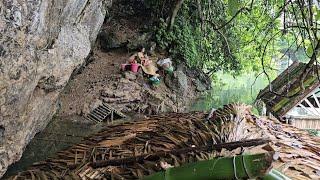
{"points": [[175, 132], [232, 123]]}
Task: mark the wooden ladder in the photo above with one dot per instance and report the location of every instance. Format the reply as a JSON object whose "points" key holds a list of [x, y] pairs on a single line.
{"points": [[104, 112]]}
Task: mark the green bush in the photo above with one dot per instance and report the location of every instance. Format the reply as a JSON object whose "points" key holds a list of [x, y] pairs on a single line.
{"points": [[197, 43]]}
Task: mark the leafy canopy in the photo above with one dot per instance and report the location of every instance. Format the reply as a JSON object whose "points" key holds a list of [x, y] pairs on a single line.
{"points": [[239, 35]]}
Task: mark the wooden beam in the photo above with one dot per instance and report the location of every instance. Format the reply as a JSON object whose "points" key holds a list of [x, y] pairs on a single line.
{"points": [[305, 108], [316, 98], [312, 108]]}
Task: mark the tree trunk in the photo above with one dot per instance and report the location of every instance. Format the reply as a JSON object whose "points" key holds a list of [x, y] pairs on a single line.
{"points": [[174, 13]]}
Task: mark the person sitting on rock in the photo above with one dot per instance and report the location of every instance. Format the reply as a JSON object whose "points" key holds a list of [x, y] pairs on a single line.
{"points": [[139, 57], [148, 67], [135, 58], [132, 59]]}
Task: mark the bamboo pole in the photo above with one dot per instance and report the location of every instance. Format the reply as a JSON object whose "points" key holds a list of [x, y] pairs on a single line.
{"points": [[237, 167], [275, 175]]}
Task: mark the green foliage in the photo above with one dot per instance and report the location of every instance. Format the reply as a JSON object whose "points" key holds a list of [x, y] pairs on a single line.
{"points": [[209, 36], [159, 8], [241, 43], [196, 42], [181, 37], [233, 6], [162, 36]]}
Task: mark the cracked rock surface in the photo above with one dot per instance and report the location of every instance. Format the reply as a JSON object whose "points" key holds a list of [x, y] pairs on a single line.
{"points": [[41, 43]]}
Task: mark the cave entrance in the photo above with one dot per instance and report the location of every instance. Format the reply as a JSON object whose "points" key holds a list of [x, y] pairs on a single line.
{"points": [[127, 26], [124, 25]]}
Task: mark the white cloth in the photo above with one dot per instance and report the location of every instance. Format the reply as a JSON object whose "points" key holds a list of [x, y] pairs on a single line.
{"points": [[164, 61]]}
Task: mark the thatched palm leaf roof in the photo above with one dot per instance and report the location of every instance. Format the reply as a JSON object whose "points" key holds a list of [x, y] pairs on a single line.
{"points": [[174, 132]]}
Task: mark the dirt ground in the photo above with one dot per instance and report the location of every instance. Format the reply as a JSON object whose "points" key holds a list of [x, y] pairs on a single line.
{"points": [[84, 87], [102, 80]]}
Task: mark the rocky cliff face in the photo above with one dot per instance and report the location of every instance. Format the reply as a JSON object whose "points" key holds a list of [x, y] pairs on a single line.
{"points": [[41, 43]]}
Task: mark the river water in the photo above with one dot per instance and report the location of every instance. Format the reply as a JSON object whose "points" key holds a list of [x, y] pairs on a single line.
{"points": [[58, 135]]}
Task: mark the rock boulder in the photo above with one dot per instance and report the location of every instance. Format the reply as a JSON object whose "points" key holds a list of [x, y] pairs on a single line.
{"points": [[42, 42]]}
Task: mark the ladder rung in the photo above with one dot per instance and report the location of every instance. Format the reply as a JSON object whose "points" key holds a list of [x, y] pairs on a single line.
{"points": [[96, 117], [93, 118], [98, 113]]}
